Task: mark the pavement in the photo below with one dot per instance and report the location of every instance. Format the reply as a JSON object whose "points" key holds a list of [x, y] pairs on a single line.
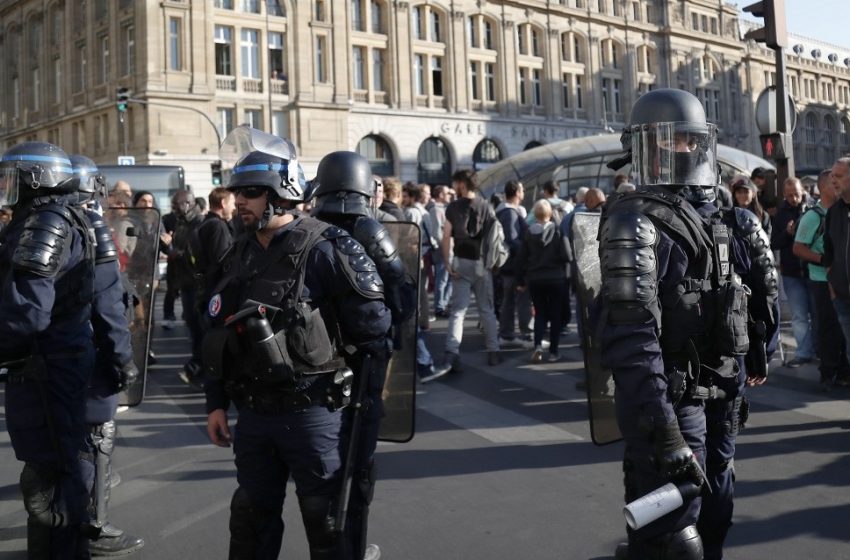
{"points": [[502, 467]]}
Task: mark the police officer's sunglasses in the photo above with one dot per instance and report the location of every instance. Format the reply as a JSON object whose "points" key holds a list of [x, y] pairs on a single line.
{"points": [[250, 192]]}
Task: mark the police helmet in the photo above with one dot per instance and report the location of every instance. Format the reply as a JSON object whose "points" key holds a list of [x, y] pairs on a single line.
{"points": [[343, 184], [283, 178], [35, 169], [670, 141], [92, 183]]}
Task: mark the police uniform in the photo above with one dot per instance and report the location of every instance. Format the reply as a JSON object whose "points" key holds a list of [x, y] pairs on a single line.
{"points": [[675, 324], [286, 321], [46, 283], [342, 189]]}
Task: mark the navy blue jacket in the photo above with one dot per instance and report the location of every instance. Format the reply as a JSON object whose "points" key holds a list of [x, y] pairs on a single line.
{"points": [[782, 241], [514, 227], [30, 317], [363, 322]]}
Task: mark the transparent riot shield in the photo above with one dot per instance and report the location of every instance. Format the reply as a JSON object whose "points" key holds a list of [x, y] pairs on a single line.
{"points": [[600, 382], [136, 235], [400, 386]]}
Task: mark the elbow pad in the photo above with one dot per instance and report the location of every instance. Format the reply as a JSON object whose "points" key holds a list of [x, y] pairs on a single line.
{"points": [[629, 268], [380, 247], [105, 249], [764, 271], [359, 269]]}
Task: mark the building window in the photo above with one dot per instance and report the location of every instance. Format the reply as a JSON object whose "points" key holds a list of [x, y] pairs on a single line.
{"points": [[225, 120], [844, 132], [474, 76], [611, 96], [488, 35], [418, 22], [175, 44], [280, 126], [644, 59], [376, 14], [358, 70], [319, 14], [104, 60], [128, 61], [16, 97], [419, 74], [81, 66], [357, 15], [250, 54], [223, 50], [436, 31], [694, 21], [380, 155], [523, 86], [321, 59], [472, 31], [251, 6], [254, 118], [490, 81], [521, 38], [274, 8], [57, 26], [378, 69], [434, 163], [485, 154], [224, 4], [610, 54], [437, 75], [101, 9], [536, 87], [276, 65]]}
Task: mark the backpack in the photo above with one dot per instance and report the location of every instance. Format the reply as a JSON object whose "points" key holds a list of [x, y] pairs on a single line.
{"points": [[494, 250]]}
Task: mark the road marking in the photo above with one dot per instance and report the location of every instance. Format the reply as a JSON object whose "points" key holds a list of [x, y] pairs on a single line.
{"points": [[493, 423]]}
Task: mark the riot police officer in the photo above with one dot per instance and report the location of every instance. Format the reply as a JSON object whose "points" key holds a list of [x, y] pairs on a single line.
{"points": [[298, 299], [675, 323], [46, 281], [114, 367], [342, 189]]}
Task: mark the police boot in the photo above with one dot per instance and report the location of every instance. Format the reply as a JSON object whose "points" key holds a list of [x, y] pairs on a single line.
{"points": [[115, 542], [622, 552]]}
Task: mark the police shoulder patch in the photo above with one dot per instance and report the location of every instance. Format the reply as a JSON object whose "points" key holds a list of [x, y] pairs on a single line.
{"points": [[215, 305]]}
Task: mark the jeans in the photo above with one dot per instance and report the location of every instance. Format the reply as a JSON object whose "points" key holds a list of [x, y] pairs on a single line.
{"points": [[548, 298], [442, 284], [798, 300], [472, 278], [514, 304]]}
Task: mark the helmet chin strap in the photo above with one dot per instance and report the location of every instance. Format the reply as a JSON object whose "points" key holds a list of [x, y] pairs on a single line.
{"points": [[699, 194]]}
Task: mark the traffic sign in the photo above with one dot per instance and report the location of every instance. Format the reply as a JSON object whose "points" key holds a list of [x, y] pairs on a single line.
{"points": [[126, 160]]}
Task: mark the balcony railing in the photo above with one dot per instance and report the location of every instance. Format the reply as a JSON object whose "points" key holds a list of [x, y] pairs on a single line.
{"points": [[226, 83], [279, 87], [250, 85], [381, 97], [361, 96]]}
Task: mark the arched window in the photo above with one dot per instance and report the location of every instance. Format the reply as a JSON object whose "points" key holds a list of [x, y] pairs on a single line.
{"points": [[434, 165], [811, 139], [844, 132], [486, 153], [380, 155], [828, 152], [532, 144], [611, 53]]}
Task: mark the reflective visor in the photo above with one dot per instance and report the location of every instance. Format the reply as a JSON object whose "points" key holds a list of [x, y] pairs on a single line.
{"points": [[32, 171], [674, 153]]}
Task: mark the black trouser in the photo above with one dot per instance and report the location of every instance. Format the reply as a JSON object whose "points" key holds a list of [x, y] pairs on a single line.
{"points": [[168, 304], [829, 340], [547, 298]]}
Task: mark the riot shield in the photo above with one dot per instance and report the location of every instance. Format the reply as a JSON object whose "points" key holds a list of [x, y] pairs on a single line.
{"points": [[136, 235], [400, 386], [600, 382]]}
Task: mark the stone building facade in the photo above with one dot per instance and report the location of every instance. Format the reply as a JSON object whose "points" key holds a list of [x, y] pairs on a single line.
{"points": [[421, 87]]}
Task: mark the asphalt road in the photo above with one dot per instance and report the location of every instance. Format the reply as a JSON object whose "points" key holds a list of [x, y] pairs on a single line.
{"points": [[502, 467]]}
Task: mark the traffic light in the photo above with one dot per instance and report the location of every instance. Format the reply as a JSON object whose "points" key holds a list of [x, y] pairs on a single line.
{"points": [[122, 95], [215, 167], [773, 146], [774, 33]]}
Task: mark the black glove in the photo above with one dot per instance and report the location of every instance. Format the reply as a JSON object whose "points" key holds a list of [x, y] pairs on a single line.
{"points": [[673, 458], [127, 375]]}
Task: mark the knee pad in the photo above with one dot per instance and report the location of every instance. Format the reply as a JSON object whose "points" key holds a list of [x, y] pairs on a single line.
{"points": [[38, 486], [684, 544], [318, 514], [246, 520], [103, 437]]}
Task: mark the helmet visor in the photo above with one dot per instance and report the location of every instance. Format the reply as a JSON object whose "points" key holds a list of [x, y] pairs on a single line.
{"points": [[243, 140], [21, 171], [674, 153]]}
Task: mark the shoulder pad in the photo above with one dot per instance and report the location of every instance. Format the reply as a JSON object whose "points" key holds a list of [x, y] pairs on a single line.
{"points": [[105, 249], [629, 228], [746, 221], [380, 247], [334, 232], [358, 267], [43, 240]]}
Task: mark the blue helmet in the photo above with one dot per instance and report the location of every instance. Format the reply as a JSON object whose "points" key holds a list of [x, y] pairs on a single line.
{"points": [[92, 183]]}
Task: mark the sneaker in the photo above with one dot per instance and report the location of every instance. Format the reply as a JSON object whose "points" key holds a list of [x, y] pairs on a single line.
{"points": [[797, 362], [115, 542], [554, 356], [436, 373], [544, 344], [168, 324], [372, 552], [537, 355], [504, 341]]}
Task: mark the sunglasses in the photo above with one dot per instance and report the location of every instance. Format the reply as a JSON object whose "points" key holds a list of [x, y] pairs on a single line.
{"points": [[250, 192]]}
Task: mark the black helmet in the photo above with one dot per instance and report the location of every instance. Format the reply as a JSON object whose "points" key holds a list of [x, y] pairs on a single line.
{"points": [[670, 141], [283, 177], [92, 183], [343, 184], [35, 169]]}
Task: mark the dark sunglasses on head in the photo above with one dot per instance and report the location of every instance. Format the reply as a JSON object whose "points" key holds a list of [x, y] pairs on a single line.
{"points": [[250, 192]]}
